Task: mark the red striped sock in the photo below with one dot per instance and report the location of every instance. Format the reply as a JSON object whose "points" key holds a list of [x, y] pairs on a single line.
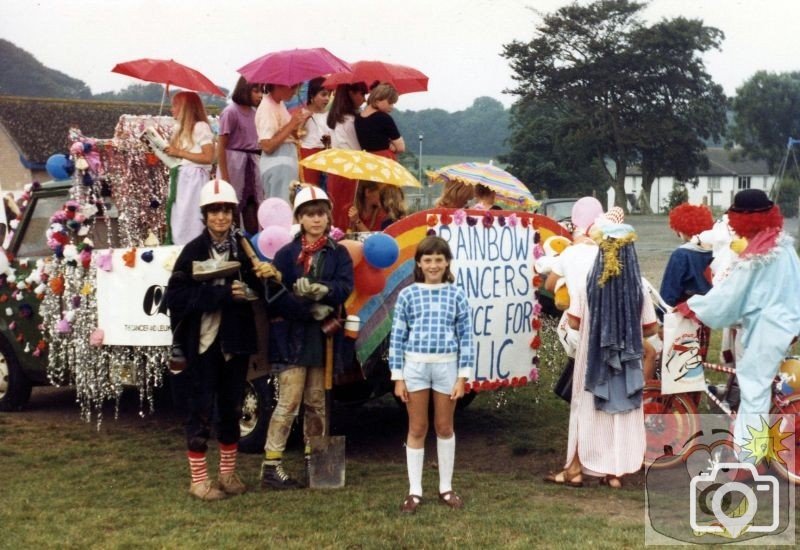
{"points": [[227, 458], [197, 466]]}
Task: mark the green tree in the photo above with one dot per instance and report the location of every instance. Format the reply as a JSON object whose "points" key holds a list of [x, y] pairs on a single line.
{"points": [[623, 91], [766, 113], [546, 155]]}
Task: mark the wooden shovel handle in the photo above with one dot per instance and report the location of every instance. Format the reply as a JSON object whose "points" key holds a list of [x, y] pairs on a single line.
{"points": [[248, 250], [328, 362]]}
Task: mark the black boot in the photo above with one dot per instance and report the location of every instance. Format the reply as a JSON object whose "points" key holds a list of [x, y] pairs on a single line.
{"points": [[273, 477]]}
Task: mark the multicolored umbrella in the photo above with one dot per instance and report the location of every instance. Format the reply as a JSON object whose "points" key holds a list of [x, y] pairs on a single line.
{"points": [[290, 67], [510, 191], [404, 79], [360, 165]]}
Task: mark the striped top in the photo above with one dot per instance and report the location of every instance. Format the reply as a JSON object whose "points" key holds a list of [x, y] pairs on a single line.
{"points": [[432, 323]]}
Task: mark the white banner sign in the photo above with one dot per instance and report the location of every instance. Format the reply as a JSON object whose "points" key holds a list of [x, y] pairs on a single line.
{"points": [[131, 305], [681, 363], [493, 265]]}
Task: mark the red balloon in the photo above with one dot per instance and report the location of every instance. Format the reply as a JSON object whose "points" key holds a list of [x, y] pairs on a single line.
{"points": [[355, 248], [369, 280]]}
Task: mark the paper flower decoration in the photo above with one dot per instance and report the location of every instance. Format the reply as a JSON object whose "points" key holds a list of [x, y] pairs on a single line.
{"points": [[104, 261], [129, 257], [336, 234], [63, 327], [459, 216], [488, 220], [513, 220], [534, 375], [96, 337], [446, 219], [57, 285]]}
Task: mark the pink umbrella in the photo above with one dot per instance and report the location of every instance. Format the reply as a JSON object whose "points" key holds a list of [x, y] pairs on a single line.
{"points": [[289, 67]]}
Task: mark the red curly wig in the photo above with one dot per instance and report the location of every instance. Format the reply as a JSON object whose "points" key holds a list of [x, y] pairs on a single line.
{"points": [[690, 219], [749, 224]]}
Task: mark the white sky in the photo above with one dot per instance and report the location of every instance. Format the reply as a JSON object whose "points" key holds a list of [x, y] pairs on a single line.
{"points": [[455, 42]]}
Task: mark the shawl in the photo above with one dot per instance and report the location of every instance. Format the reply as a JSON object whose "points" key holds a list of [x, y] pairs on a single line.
{"points": [[614, 296]]}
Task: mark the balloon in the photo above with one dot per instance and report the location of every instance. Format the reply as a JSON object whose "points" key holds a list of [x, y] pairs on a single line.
{"points": [[256, 249], [275, 211], [271, 239], [368, 280], [355, 248], [59, 166], [585, 211], [381, 250]]}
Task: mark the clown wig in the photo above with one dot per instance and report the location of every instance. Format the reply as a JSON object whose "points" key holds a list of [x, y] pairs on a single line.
{"points": [[749, 224], [690, 219]]}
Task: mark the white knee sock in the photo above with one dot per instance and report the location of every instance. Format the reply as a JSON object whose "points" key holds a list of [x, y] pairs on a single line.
{"points": [[446, 450], [415, 459]]}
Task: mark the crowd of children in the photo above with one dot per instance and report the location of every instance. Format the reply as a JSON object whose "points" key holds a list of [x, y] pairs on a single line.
{"points": [[607, 324]]}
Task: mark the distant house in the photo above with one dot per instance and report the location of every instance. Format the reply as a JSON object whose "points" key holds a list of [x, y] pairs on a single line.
{"points": [[715, 187], [33, 129]]}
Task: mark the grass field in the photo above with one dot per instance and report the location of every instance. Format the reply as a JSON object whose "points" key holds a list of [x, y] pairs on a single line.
{"points": [[68, 485]]}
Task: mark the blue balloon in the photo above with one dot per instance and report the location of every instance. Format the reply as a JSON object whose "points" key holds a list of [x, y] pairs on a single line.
{"points": [[254, 243], [59, 166], [381, 250]]}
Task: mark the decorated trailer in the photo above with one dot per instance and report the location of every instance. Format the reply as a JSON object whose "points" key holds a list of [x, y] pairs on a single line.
{"points": [[83, 291]]}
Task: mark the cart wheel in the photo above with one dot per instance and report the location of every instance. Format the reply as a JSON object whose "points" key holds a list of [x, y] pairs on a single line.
{"points": [[257, 405], [669, 421], [790, 407]]}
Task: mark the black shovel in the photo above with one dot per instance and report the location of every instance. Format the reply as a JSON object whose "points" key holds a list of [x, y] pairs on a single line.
{"points": [[326, 469]]}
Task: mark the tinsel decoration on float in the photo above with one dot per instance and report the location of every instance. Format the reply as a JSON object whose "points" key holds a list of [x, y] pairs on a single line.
{"points": [[119, 173], [138, 179]]}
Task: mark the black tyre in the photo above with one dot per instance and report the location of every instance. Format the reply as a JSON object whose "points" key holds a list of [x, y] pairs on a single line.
{"points": [[15, 388], [258, 403]]}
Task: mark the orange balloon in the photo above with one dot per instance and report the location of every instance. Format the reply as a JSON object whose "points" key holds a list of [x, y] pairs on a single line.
{"points": [[355, 248]]}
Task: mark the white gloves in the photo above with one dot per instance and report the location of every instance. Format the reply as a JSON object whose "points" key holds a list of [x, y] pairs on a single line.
{"points": [[313, 291], [320, 311]]}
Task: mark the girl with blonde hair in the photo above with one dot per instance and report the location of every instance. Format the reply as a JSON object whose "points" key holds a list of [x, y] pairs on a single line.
{"points": [[193, 142], [376, 130], [393, 201]]}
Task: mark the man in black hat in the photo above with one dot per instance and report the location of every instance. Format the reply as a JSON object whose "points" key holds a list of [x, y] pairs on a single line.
{"points": [[762, 293]]}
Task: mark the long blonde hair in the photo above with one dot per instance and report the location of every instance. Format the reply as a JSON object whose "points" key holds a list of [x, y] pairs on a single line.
{"points": [[455, 195], [190, 111], [393, 201]]}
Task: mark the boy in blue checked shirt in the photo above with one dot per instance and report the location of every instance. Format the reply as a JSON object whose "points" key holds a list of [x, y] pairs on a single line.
{"points": [[431, 349]]}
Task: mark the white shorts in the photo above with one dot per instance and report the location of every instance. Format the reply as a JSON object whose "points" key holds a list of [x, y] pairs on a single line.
{"points": [[440, 377]]}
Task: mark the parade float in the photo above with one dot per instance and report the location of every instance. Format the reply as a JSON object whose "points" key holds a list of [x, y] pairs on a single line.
{"points": [[83, 290]]}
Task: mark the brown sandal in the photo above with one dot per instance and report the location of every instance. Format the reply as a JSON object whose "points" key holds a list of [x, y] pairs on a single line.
{"points": [[613, 482], [410, 504], [552, 477], [451, 499]]}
